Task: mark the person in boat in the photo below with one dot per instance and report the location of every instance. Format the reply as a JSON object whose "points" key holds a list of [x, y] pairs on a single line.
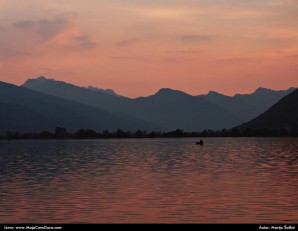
{"points": [[200, 142]]}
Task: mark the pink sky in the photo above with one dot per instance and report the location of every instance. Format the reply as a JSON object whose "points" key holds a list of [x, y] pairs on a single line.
{"points": [[137, 47]]}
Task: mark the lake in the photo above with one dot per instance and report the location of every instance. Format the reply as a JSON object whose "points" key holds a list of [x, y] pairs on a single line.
{"points": [[228, 180]]}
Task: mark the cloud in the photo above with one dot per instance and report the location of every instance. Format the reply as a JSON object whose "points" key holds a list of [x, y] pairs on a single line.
{"points": [[195, 38], [181, 51], [293, 56], [58, 32], [8, 52], [46, 29], [127, 42], [133, 58], [84, 42]]}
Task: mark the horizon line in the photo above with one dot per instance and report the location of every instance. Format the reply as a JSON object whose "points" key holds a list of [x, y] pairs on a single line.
{"points": [[159, 89]]}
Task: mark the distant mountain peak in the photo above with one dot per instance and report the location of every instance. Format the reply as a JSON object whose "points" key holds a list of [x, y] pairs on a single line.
{"points": [[42, 78], [262, 90], [43, 81], [165, 90], [214, 93], [107, 91], [169, 91]]}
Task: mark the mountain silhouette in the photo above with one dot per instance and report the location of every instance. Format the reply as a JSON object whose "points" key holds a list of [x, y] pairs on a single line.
{"points": [[25, 110], [46, 84], [169, 108], [263, 98], [176, 109], [247, 106], [107, 91], [240, 109], [91, 97], [282, 115]]}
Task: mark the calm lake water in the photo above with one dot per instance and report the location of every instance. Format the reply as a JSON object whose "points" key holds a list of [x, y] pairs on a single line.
{"points": [[228, 180]]}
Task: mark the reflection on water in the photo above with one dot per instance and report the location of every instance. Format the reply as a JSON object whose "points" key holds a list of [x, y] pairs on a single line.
{"points": [[228, 180]]}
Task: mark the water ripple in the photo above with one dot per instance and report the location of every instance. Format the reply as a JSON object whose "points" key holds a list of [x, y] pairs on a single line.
{"points": [[228, 180]]}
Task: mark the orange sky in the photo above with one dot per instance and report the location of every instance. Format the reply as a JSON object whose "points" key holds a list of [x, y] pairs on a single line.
{"points": [[136, 47]]}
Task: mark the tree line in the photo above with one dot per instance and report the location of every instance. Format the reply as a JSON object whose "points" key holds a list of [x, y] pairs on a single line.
{"points": [[62, 133]]}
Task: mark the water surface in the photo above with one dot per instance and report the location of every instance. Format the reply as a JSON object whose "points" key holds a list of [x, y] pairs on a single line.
{"points": [[228, 180]]}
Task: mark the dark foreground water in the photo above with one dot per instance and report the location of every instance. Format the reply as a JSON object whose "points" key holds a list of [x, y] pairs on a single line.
{"points": [[228, 180]]}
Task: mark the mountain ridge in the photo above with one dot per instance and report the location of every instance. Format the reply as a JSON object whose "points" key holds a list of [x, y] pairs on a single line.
{"points": [[25, 110], [167, 107], [282, 115], [42, 79]]}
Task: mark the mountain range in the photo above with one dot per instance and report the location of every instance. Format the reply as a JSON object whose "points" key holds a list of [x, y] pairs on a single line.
{"points": [[282, 115], [25, 110], [248, 106], [43, 104], [170, 108]]}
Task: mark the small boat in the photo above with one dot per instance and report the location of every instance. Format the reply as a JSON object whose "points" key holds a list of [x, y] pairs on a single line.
{"points": [[200, 142]]}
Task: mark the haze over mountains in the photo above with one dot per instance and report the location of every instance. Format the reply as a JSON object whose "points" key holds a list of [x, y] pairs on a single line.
{"points": [[169, 108], [282, 115], [25, 110], [43, 104], [248, 106], [107, 91]]}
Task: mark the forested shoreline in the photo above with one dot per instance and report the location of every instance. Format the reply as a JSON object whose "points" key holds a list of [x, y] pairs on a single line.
{"points": [[62, 133]]}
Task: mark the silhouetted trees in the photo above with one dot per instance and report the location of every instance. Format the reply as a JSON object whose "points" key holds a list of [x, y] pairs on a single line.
{"points": [[62, 133], [88, 133]]}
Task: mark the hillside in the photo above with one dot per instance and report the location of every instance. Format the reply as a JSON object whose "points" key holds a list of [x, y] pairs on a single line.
{"points": [[169, 108], [282, 115], [24, 110]]}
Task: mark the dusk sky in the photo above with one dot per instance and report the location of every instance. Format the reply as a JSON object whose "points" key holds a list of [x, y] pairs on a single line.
{"points": [[139, 46]]}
